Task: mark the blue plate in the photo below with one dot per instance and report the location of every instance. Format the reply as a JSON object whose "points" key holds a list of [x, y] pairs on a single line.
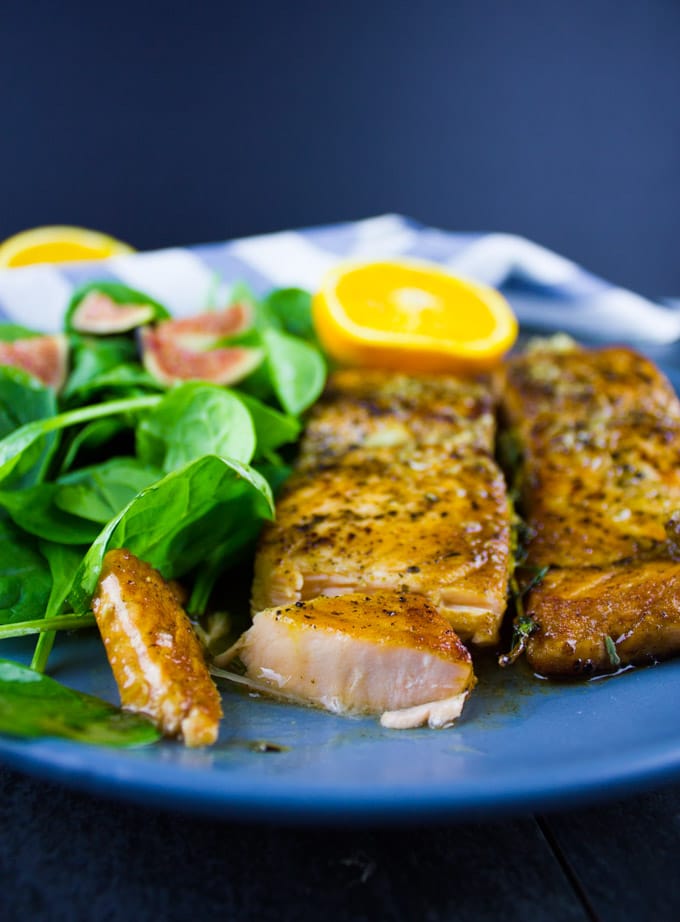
{"points": [[522, 744]]}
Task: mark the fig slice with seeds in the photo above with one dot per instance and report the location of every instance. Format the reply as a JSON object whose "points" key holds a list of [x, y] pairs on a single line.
{"points": [[44, 357], [170, 362], [99, 314], [103, 307], [204, 330], [189, 349]]}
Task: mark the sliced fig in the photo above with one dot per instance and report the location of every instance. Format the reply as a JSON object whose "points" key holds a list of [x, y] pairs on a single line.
{"points": [[105, 307], [98, 313], [44, 357], [203, 330], [170, 362]]}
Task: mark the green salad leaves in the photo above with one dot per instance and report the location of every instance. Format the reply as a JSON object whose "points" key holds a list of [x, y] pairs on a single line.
{"points": [[181, 476]]}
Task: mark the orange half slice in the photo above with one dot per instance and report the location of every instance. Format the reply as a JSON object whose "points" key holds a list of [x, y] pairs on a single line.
{"points": [[58, 244], [411, 316]]}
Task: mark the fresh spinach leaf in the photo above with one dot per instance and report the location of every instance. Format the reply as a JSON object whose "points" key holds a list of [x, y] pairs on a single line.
{"points": [[100, 492], [15, 446], [72, 509], [292, 309], [25, 580], [94, 356], [192, 420], [33, 705], [91, 437], [24, 399], [63, 563], [175, 523], [272, 428], [297, 370], [35, 511], [122, 381], [10, 332]]}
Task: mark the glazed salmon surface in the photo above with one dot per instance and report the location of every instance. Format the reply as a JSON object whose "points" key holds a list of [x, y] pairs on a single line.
{"points": [[382, 653], [636, 605], [156, 659], [426, 514], [367, 409], [599, 486]]}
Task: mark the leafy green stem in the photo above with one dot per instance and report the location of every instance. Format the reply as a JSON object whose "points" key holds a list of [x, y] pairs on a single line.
{"points": [[67, 622], [42, 651]]}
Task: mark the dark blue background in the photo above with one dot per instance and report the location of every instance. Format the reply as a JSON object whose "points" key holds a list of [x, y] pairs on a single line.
{"points": [[175, 123]]}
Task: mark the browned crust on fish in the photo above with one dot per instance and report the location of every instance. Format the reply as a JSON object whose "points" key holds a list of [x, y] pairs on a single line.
{"points": [[368, 408], [599, 434], [156, 658], [434, 524], [636, 606]]}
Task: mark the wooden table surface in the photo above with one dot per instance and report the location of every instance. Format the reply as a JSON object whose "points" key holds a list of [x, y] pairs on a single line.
{"points": [[69, 856]]}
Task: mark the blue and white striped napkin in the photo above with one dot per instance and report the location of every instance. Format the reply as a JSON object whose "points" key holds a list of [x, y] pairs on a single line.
{"points": [[547, 291]]}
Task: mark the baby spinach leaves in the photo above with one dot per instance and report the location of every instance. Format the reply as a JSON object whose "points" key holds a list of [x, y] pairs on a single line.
{"points": [[168, 477], [175, 523], [33, 705], [192, 420], [25, 580]]}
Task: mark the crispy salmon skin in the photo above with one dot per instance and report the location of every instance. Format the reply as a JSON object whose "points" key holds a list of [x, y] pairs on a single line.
{"points": [[156, 659]]}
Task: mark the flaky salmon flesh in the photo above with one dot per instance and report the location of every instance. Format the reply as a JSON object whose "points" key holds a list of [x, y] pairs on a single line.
{"points": [[599, 487], [383, 653], [156, 659], [426, 512]]}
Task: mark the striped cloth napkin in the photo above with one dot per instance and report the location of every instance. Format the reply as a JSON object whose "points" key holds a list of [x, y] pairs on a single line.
{"points": [[547, 291]]}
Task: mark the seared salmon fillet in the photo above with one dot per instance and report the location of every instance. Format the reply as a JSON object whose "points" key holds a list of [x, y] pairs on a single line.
{"points": [[433, 524], [426, 513], [156, 659], [563, 385], [367, 408], [594, 620], [599, 486], [382, 653], [595, 493]]}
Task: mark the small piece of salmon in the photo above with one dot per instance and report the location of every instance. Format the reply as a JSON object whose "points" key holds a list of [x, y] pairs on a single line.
{"points": [[599, 434], [382, 653], [156, 659]]}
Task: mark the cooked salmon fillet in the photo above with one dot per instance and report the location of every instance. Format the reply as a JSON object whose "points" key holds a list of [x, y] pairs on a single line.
{"points": [[383, 653], [396, 505], [594, 620], [156, 659], [599, 485], [595, 493], [566, 384], [396, 490], [366, 409], [433, 524]]}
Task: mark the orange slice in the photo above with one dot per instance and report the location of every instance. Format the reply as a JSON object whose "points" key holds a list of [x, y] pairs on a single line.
{"points": [[411, 316], [58, 244]]}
